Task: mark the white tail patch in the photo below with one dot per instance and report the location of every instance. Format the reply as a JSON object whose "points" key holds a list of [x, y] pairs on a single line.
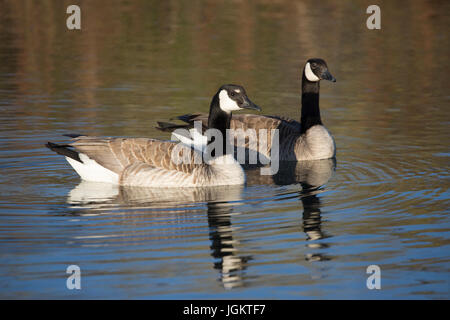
{"points": [[90, 170], [310, 74]]}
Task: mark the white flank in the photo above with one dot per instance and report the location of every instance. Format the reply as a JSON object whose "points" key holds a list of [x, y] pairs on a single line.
{"points": [[310, 74], [90, 170], [226, 103]]}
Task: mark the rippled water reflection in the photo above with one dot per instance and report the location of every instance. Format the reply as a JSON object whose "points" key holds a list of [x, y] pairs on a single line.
{"points": [[308, 232]]}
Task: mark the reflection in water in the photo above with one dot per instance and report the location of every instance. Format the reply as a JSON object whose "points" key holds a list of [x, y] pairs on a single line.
{"points": [[95, 195], [314, 175], [312, 223], [219, 200], [311, 215], [229, 263], [311, 175], [221, 206]]}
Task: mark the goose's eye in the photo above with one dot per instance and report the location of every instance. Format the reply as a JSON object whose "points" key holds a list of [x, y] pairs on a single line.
{"points": [[233, 94], [314, 64]]}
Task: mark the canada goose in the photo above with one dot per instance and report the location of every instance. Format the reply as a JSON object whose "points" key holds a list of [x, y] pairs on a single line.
{"points": [[149, 162], [304, 140]]}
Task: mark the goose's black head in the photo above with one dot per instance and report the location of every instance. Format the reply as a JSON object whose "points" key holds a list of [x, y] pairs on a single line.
{"points": [[231, 97], [316, 69]]}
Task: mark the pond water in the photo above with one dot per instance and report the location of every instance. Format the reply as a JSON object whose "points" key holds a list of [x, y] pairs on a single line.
{"points": [[309, 232]]}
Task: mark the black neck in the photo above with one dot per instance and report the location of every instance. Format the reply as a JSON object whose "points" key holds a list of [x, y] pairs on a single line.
{"points": [[310, 104], [220, 120]]}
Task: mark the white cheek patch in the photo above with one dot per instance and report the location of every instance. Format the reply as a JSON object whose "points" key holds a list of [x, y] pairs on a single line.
{"points": [[226, 103], [310, 74]]}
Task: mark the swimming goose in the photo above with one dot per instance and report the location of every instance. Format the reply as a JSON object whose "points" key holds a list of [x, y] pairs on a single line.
{"points": [[304, 140], [150, 162]]}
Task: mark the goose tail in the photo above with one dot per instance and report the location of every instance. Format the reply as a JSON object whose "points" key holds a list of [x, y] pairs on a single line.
{"points": [[169, 127], [188, 118], [64, 150]]}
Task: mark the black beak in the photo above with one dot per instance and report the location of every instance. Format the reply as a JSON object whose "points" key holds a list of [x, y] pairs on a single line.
{"points": [[247, 104], [327, 76]]}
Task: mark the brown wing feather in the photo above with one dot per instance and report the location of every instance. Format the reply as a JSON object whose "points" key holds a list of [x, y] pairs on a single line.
{"points": [[251, 121], [286, 126], [116, 154], [288, 129]]}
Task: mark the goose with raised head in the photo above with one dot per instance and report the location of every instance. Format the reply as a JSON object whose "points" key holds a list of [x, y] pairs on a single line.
{"points": [[304, 140], [150, 162]]}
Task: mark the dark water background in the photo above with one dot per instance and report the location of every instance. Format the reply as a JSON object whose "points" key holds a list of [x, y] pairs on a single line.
{"points": [[309, 232]]}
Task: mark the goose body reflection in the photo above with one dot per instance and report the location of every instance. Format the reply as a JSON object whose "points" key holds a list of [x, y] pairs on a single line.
{"points": [[310, 174], [93, 194], [222, 206], [220, 203], [224, 246]]}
